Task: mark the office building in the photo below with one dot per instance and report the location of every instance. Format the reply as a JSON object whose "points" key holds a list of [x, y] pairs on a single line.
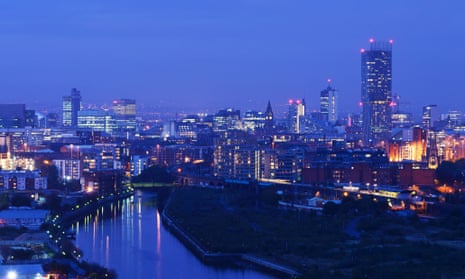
{"points": [[125, 114], [452, 118], [296, 115], [71, 106], [376, 81], [51, 120], [328, 104], [96, 120], [12, 115], [253, 120], [429, 116], [226, 119]]}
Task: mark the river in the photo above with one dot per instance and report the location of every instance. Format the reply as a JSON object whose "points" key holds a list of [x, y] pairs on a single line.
{"points": [[128, 237]]}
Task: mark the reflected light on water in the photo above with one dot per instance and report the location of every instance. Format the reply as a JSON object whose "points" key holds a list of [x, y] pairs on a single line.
{"points": [[94, 231], [158, 233], [130, 244], [107, 250], [139, 222]]}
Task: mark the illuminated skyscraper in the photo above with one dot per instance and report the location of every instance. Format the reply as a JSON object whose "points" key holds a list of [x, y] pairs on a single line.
{"points": [[428, 116], [328, 103], [377, 92], [71, 105], [296, 115]]}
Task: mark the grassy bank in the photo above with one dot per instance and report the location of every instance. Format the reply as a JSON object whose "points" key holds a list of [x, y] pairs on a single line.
{"points": [[233, 221]]}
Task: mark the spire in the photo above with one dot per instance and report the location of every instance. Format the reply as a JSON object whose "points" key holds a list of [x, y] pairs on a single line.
{"points": [[268, 107], [269, 119]]}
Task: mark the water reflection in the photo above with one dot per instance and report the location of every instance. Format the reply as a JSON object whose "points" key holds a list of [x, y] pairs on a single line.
{"points": [[129, 238]]}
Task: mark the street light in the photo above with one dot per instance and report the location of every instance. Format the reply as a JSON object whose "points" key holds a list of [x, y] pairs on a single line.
{"points": [[12, 274]]}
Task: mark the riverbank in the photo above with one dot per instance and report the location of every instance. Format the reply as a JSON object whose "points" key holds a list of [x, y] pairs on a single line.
{"points": [[356, 239], [78, 211], [224, 258], [60, 239]]}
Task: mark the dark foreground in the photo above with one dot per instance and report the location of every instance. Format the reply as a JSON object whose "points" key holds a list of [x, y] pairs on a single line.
{"points": [[358, 239]]}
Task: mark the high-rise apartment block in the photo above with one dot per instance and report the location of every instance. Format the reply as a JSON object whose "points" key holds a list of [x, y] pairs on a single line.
{"points": [[377, 92]]}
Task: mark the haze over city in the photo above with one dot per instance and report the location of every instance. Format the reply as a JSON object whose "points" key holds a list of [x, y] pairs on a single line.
{"points": [[250, 139], [187, 56]]}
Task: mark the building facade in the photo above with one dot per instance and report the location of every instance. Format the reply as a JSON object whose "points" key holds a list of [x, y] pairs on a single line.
{"points": [[12, 115], [125, 115], [328, 104], [71, 106], [376, 81], [429, 116], [296, 115]]}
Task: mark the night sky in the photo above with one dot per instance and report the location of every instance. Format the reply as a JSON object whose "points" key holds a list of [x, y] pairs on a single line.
{"points": [[204, 55]]}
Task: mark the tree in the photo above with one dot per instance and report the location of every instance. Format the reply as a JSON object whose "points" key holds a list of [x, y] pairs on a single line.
{"points": [[330, 208], [53, 180], [4, 201], [20, 200], [53, 202], [154, 174], [447, 172]]}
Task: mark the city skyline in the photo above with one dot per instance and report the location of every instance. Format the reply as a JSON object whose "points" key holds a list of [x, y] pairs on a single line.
{"points": [[185, 57]]}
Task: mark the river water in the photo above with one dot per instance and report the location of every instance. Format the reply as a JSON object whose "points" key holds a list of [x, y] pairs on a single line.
{"points": [[128, 237]]}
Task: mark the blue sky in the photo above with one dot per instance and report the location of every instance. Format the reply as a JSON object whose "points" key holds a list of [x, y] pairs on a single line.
{"points": [[185, 55]]}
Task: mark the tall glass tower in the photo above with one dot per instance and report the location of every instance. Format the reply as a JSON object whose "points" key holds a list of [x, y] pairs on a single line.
{"points": [[377, 92], [328, 103], [71, 106]]}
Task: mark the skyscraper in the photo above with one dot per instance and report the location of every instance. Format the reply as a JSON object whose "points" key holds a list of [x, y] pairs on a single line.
{"points": [[428, 116], [296, 115], [71, 105], [377, 92], [328, 103]]}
